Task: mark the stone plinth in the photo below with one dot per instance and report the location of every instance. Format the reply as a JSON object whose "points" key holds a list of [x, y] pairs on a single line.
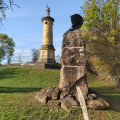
{"points": [[73, 60]]}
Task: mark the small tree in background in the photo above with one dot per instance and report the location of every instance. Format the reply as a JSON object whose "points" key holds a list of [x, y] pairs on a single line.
{"points": [[6, 47], [35, 55]]}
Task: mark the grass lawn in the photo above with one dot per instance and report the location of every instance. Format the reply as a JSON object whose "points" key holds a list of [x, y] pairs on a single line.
{"points": [[18, 87]]}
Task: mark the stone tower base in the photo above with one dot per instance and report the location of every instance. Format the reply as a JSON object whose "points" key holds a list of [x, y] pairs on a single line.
{"points": [[48, 65], [47, 54]]}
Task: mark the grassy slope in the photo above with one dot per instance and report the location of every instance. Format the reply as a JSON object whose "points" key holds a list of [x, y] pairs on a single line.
{"points": [[19, 85]]}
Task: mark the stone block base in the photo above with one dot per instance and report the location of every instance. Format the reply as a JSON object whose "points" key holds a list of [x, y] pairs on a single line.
{"points": [[70, 77], [47, 60]]}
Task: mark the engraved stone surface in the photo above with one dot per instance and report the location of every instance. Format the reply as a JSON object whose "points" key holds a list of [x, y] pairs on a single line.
{"points": [[69, 75], [73, 39], [73, 57]]}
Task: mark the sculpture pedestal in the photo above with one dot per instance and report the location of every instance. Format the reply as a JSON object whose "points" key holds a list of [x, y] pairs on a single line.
{"points": [[73, 60]]}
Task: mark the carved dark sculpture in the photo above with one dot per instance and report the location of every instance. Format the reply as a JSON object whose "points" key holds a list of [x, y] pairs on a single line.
{"points": [[77, 22]]}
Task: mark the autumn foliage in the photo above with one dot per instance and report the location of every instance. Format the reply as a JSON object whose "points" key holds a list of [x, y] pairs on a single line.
{"points": [[102, 34]]}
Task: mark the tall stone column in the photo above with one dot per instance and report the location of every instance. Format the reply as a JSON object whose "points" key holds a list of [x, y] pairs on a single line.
{"points": [[47, 48], [73, 60]]}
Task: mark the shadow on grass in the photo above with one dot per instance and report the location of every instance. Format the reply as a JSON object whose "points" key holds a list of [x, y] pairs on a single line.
{"points": [[17, 90], [7, 73], [112, 94], [107, 90]]}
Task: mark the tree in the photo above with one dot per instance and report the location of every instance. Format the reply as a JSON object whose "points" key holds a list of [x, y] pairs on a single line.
{"points": [[101, 30], [35, 54], [6, 47], [2, 53], [5, 6]]}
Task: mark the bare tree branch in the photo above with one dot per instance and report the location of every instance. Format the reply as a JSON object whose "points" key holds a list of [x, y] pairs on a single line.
{"points": [[4, 7]]}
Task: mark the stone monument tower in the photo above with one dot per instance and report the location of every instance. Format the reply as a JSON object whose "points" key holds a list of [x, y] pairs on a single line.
{"points": [[47, 48]]}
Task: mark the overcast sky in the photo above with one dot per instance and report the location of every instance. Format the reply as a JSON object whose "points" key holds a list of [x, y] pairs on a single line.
{"points": [[24, 24]]}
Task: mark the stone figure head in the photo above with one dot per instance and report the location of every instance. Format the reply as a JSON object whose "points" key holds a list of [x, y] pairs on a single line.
{"points": [[77, 21]]}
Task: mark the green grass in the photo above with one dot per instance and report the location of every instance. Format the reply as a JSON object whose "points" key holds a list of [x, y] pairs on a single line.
{"points": [[18, 87]]}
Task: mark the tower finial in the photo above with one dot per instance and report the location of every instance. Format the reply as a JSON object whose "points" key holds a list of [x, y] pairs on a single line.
{"points": [[48, 10]]}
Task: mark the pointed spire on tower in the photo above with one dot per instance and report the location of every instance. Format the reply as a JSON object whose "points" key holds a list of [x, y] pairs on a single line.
{"points": [[48, 10]]}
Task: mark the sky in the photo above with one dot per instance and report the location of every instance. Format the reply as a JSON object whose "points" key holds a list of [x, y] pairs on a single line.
{"points": [[24, 24]]}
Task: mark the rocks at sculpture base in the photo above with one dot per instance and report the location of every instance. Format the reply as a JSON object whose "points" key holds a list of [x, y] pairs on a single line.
{"points": [[96, 101], [73, 73], [57, 97], [54, 102], [98, 104]]}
